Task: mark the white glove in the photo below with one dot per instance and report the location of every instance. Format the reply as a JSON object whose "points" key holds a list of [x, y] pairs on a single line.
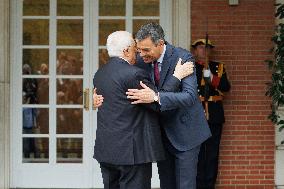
{"points": [[207, 73]]}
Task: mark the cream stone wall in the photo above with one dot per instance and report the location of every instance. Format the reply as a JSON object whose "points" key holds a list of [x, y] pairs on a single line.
{"points": [[4, 94], [181, 23]]}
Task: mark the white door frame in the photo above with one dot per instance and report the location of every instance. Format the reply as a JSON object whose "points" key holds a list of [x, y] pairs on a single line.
{"points": [[64, 175]]}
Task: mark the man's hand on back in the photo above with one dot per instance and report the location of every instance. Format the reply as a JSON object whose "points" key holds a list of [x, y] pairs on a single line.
{"points": [[97, 99], [183, 70]]}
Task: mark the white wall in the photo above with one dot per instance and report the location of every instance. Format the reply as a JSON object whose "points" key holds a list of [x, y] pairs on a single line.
{"points": [[4, 93]]}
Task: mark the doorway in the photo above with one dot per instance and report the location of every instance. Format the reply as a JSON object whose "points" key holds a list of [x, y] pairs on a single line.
{"points": [[57, 46]]}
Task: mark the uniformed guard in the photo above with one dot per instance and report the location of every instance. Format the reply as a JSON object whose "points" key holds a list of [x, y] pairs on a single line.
{"points": [[212, 83]]}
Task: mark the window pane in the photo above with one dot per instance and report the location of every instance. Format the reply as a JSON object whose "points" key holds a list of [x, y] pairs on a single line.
{"points": [[69, 62], [35, 150], [146, 8], [35, 91], [106, 27], [36, 7], [69, 91], [69, 150], [103, 57], [35, 120], [69, 32], [37, 59], [70, 7], [69, 121], [36, 32], [137, 23], [112, 8]]}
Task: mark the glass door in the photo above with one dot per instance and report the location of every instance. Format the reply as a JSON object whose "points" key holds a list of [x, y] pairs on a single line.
{"points": [[57, 46], [51, 134]]}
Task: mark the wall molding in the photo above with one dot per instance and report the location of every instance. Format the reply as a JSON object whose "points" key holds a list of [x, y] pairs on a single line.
{"points": [[181, 23], [5, 94]]}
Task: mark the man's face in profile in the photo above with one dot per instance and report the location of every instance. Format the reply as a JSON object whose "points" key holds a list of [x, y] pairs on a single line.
{"points": [[148, 50], [131, 53]]}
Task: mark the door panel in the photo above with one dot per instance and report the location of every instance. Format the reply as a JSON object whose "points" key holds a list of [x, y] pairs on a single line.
{"points": [[52, 136]]}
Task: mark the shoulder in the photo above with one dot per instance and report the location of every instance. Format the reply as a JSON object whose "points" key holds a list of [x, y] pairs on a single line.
{"points": [[179, 52], [214, 62], [131, 71], [139, 72], [217, 67], [118, 68]]}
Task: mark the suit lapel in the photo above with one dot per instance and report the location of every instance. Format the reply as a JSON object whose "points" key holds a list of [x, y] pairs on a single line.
{"points": [[166, 64]]}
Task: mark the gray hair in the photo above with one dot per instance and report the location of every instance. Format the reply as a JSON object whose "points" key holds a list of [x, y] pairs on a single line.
{"points": [[152, 30], [117, 42]]}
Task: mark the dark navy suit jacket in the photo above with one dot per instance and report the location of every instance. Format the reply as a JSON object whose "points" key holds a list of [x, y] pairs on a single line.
{"points": [[182, 115]]}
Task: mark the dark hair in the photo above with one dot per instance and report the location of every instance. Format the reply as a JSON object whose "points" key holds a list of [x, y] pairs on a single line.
{"points": [[152, 30]]}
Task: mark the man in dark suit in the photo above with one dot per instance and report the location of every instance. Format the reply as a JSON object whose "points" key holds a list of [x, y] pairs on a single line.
{"points": [[184, 126], [128, 137]]}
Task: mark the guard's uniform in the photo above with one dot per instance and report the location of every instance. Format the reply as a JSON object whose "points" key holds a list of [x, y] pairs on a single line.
{"points": [[209, 151]]}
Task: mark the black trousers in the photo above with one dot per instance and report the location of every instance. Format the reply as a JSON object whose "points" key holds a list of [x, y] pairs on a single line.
{"points": [[207, 169], [178, 171], [126, 176]]}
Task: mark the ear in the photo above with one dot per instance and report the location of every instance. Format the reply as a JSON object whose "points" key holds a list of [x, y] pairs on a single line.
{"points": [[125, 52], [161, 42]]}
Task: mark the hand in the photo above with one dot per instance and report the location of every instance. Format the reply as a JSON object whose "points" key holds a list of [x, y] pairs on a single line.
{"points": [[183, 70], [97, 99], [144, 95], [207, 73]]}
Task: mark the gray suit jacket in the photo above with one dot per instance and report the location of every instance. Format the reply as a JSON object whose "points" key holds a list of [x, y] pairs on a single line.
{"points": [[126, 134], [182, 115]]}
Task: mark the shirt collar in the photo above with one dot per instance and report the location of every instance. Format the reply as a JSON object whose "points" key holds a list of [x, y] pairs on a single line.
{"points": [[200, 62], [124, 60], [162, 55]]}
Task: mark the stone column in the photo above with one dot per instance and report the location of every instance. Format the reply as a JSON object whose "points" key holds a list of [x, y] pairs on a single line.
{"points": [[4, 94], [181, 23]]}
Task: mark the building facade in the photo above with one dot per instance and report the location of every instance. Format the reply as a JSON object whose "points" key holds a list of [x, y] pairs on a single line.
{"points": [[50, 50]]}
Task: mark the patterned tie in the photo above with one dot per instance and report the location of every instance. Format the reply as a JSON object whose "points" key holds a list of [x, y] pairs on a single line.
{"points": [[156, 73]]}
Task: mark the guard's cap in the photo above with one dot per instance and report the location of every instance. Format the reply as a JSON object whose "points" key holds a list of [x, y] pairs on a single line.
{"points": [[202, 42]]}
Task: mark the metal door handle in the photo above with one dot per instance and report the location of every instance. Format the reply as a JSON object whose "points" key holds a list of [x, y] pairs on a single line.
{"points": [[93, 105], [86, 99]]}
